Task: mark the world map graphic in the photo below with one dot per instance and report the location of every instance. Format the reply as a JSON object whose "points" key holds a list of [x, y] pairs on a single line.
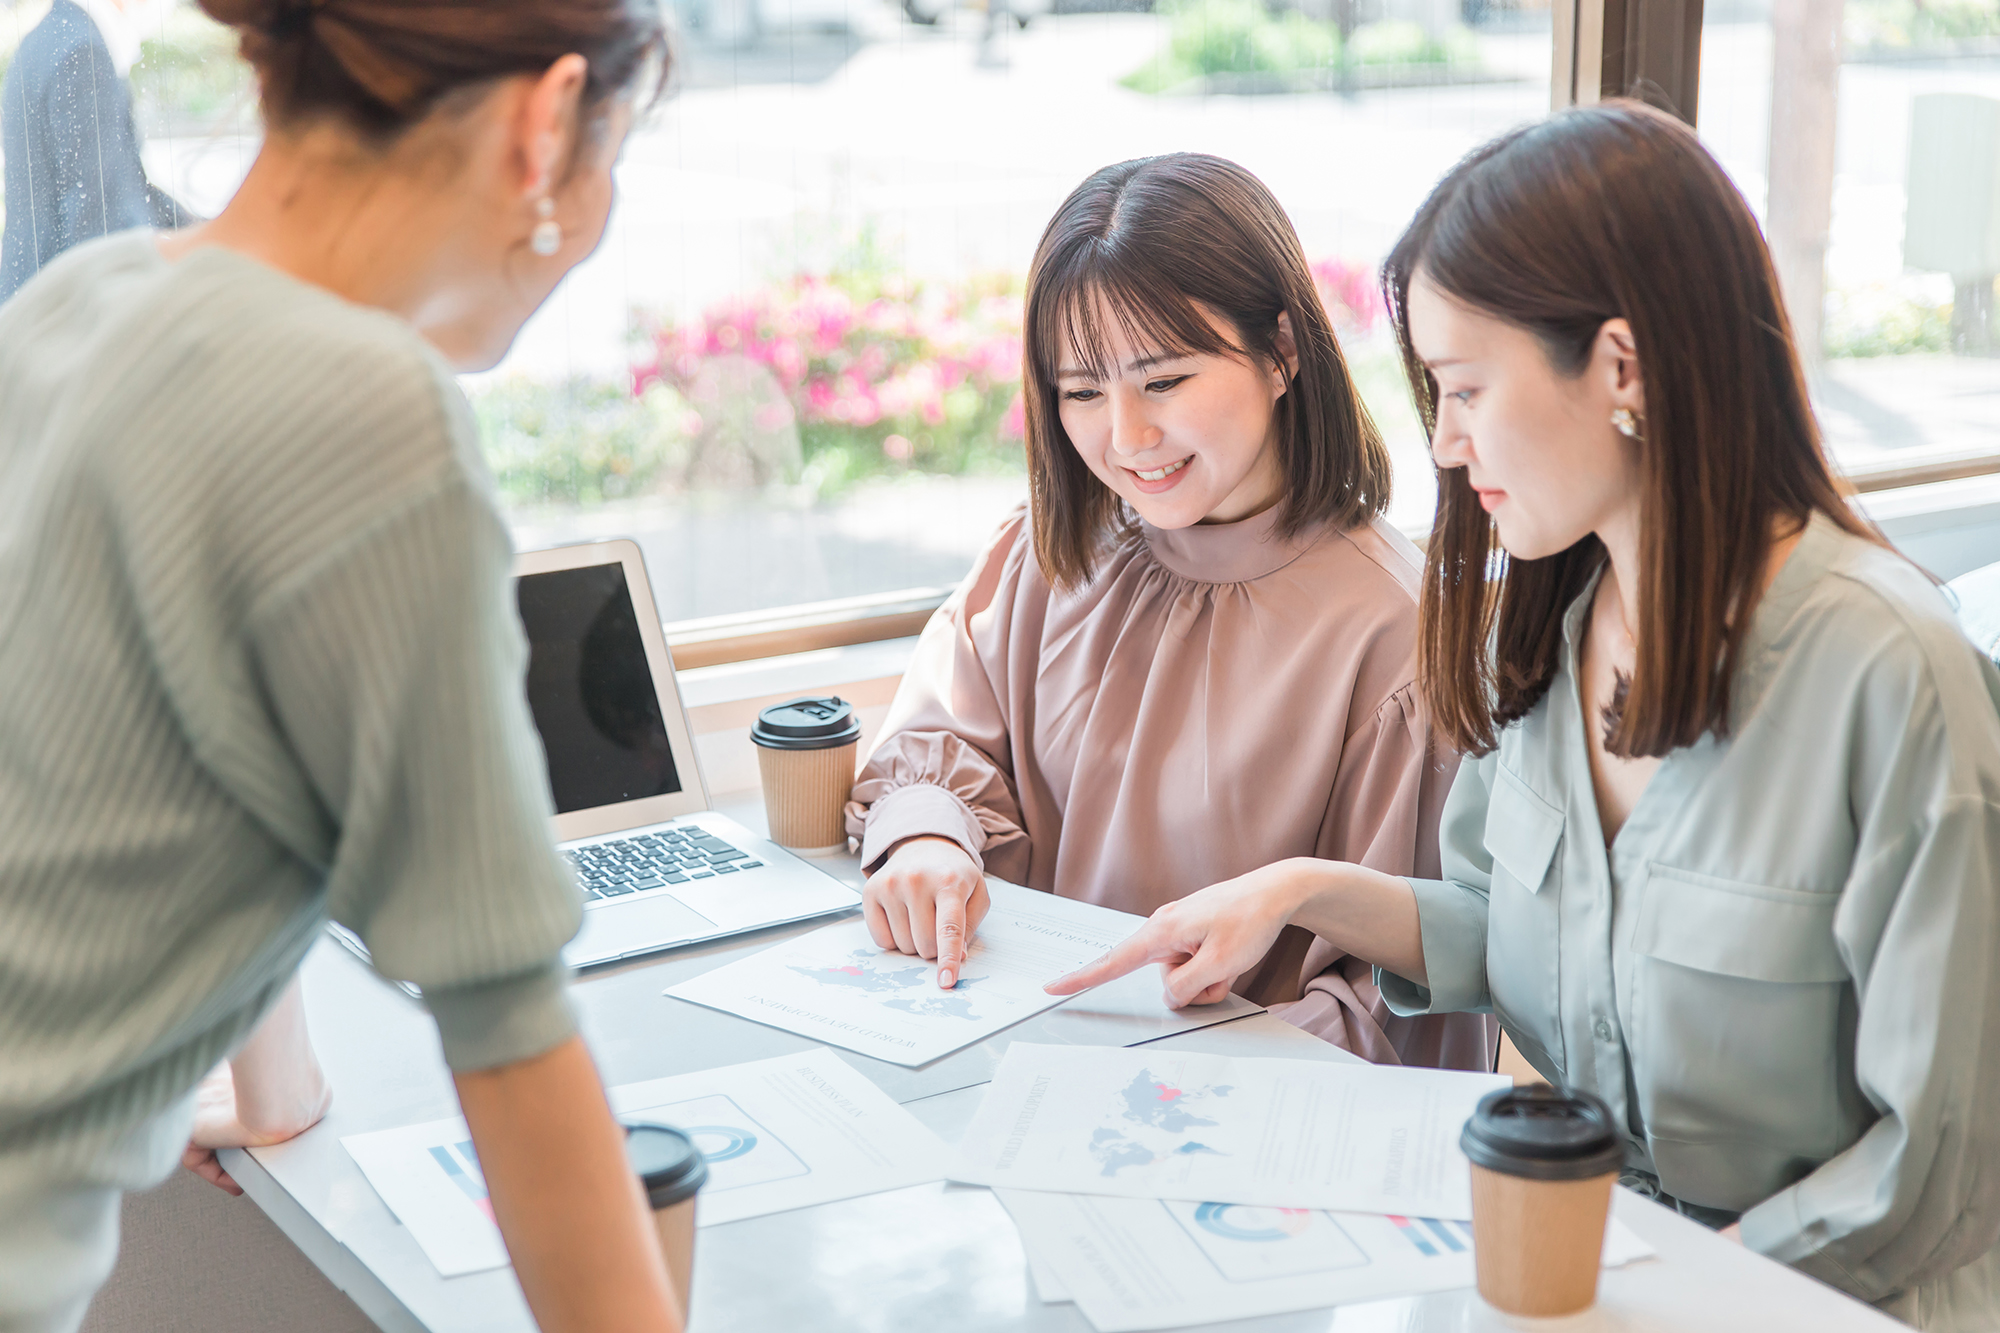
{"points": [[909, 989], [1154, 1118]]}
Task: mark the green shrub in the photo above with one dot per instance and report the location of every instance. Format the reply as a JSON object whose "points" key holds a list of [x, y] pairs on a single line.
{"points": [[1892, 24], [1224, 37], [1883, 321], [189, 73], [580, 441], [1235, 37]]}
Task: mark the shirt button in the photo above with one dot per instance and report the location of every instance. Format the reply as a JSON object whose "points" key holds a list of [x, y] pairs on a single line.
{"points": [[1603, 1030]]}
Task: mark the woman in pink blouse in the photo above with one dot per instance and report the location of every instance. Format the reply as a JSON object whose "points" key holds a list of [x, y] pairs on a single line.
{"points": [[1195, 654]]}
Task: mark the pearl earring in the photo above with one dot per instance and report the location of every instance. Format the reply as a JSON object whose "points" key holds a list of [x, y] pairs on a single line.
{"points": [[1627, 423], [547, 236]]}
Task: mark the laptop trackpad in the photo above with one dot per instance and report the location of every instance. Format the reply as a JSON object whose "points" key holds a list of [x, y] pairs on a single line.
{"points": [[645, 923]]}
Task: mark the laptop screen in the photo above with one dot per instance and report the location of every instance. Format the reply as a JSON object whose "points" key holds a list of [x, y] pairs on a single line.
{"points": [[591, 690]]}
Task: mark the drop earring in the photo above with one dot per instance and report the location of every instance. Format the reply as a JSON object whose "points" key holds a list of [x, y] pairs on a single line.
{"points": [[547, 236], [1627, 423]]}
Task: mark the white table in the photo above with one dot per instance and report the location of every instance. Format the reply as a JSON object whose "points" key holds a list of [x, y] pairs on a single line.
{"points": [[939, 1257]]}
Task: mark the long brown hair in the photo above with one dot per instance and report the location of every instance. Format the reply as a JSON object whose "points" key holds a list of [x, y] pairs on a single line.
{"points": [[379, 66], [1160, 240], [1596, 214]]}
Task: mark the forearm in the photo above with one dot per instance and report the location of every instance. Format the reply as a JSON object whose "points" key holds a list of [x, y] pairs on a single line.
{"points": [[1362, 912], [573, 1214], [280, 1089]]}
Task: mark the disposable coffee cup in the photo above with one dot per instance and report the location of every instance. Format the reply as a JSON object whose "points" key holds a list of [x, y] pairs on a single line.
{"points": [[806, 752], [1543, 1164], [673, 1171]]}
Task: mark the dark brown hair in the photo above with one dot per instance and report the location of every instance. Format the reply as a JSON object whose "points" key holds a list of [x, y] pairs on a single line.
{"points": [[1599, 213], [1161, 240], [380, 66]]}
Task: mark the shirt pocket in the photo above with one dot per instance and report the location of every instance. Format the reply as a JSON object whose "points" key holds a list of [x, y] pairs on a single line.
{"points": [[1743, 1023], [1523, 938]]}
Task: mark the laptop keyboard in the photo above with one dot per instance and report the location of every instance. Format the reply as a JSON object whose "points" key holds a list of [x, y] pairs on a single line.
{"points": [[655, 861]]}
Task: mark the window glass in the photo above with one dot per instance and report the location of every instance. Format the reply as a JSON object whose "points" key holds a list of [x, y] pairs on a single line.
{"points": [[792, 370], [1867, 136]]}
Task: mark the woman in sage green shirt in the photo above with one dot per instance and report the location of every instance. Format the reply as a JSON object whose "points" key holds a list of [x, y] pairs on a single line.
{"points": [[1728, 854]]}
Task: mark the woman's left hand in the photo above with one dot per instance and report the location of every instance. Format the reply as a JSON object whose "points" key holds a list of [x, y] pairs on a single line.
{"points": [[215, 1126], [1206, 939], [271, 1091]]}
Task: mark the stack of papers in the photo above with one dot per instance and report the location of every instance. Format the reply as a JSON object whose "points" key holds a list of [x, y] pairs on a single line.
{"points": [[1158, 1189], [1147, 1263], [834, 985], [778, 1134], [1175, 1125]]}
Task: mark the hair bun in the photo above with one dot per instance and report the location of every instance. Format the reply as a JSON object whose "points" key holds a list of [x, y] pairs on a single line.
{"points": [[258, 14], [380, 65]]}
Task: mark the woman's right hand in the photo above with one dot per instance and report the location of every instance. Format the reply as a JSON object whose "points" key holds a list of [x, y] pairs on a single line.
{"points": [[1206, 939], [1216, 934], [927, 899]]}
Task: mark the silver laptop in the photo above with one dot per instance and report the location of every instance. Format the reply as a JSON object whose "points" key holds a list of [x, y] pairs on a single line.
{"points": [[657, 866]]}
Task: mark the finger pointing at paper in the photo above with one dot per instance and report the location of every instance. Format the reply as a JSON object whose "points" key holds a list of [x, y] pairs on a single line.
{"points": [[1206, 940], [926, 899], [1209, 938]]}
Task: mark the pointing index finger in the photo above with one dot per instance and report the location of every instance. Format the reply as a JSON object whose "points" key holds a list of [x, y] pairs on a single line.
{"points": [[1143, 946], [950, 939]]}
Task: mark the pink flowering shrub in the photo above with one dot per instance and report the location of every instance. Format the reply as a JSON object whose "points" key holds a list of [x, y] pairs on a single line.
{"points": [[880, 372], [1353, 295], [883, 372]]}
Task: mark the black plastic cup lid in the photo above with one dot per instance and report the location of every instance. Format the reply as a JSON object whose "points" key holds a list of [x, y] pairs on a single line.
{"points": [[1543, 1133], [807, 724], [666, 1162]]}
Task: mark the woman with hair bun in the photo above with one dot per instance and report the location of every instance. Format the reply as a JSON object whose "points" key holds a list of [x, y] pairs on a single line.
{"points": [[1727, 853], [259, 660]]}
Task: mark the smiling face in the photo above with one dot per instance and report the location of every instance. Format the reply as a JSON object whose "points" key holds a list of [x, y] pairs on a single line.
{"points": [[1183, 438], [1538, 446]]}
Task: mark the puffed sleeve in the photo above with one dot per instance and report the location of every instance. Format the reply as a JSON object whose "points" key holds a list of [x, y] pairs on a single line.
{"points": [[1451, 911], [1918, 928], [1383, 813], [941, 768]]}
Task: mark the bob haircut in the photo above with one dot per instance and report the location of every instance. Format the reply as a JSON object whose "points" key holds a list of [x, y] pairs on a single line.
{"points": [[1595, 214], [1158, 241]]}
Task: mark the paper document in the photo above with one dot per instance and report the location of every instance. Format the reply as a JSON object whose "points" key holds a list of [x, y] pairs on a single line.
{"points": [[1161, 1124], [787, 1133], [778, 1134], [1148, 1263], [834, 985]]}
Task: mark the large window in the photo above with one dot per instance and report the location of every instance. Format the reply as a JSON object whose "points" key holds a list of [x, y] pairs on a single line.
{"points": [[792, 370], [1867, 134], [814, 277]]}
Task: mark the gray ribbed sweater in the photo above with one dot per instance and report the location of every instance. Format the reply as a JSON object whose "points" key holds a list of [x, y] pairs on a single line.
{"points": [[259, 665]]}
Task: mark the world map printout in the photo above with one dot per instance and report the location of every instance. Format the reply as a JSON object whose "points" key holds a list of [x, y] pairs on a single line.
{"points": [[835, 985]]}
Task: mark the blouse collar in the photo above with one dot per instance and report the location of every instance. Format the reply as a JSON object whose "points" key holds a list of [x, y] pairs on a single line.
{"points": [[1229, 552]]}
